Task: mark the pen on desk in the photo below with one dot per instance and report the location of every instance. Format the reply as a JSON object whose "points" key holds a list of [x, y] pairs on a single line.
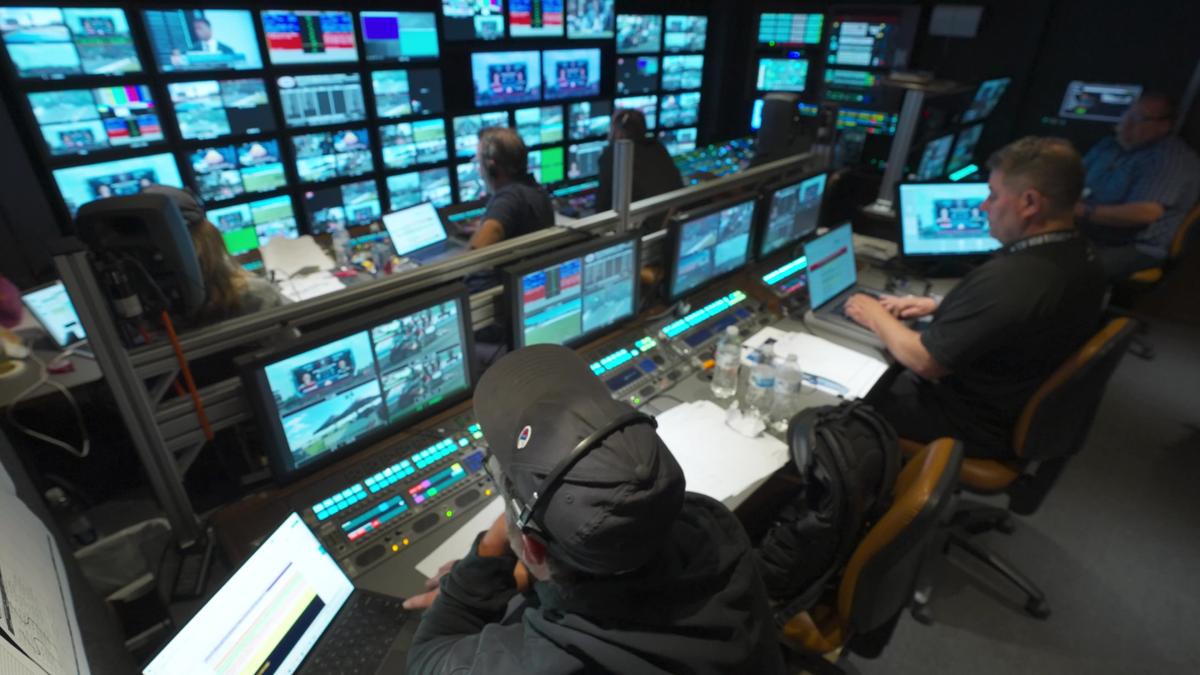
{"points": [[819, 381]]}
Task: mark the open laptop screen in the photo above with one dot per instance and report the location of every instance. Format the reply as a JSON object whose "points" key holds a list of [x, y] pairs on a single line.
{"points": [[269, 614], [830, 265], [414, 228], [52, 307]]}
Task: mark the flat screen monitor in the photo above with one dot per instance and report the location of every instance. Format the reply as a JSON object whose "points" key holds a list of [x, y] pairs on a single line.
{"points": [[568, 296], [338, 390], [782, 74], [637, 75], [934, 156], [226, 171], [708, 245], [414, 187], [677, 110], [314, 100], [793, 214], [338, 206], [790, 30], [79, 185], [590, 19], [583, 159], [867, 41], [208, 109], [202, 39], [682, 72], [987, 96], [467, 128], [309, 36], [399, 36], [1098, 101], [684, 33], [342, 153], [535, 18], [571, 73], [541, 125], [944, 219], [246, 227], [678, 141], [50, 42], [805, 110], [871, 122], [546, 165], [78, 121], [964, 148], [588, 119], [831, 268], [504, 78], [52, 307], [473, 19], [414, 228], [639, 33], [412, 143], [400, 93], [647, 104], [470, 185]]}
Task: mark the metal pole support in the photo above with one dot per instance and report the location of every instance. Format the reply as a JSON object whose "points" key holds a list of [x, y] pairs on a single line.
{"points": [[906, 129], [622, 182]]}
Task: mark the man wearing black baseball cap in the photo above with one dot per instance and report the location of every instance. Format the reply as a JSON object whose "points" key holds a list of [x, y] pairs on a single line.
{"points": [[631, 574]]}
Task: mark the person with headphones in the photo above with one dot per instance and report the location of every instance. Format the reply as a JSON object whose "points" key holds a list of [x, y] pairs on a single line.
{"points": [[622, 570], [654, 172], [516, 204]]}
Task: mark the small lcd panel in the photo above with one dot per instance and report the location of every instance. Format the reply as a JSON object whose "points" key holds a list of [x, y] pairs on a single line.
{"points": [[790, 30], [583, 159], [964, 148], [546, 165], [944, 219], [682, 72], [709, 246], [467, 128], [987, 96], [226, 171], [647, 104], [933, 158], [246, 227], [679, 109], [411, 143], [678, 141], [637, 75], [52, 307]]}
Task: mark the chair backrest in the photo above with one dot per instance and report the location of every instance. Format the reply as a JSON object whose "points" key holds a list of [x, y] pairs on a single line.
{"points": [[880, 576], [1181, 233], [1057, 418]]}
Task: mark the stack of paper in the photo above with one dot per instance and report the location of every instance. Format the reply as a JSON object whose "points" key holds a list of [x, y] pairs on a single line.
{"points": [[310, 286], [286, 257], [458, 544], [827, 366]]}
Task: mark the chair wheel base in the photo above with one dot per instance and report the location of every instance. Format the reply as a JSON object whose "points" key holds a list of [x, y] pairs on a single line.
{"points": [[1036, 608], [1006, 526], [921, 614]]}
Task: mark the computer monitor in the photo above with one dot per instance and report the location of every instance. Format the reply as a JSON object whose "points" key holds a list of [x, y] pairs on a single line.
{"points": [[247, 227], [679, 109], [535, 18], [793, 213], [546, 165], [77, 121], [987, 96], [470, 184], [708, 244], [541, 125], [782, 74], [789, 30], [50, 42], [467, 128], [872, 122], [639, 33], [647, 104], [399, 36], [964, 148], [872, 39], [583, 159], [637, 75], [590, 19], [588, 119], [682, 71], [473, 19], [934, 156], [225, 171], [52, 307], [569, 296], [202, 39], [684, 33], [400, 93], [411, 143], [428, 185], [341, 153], [338, 206], [414, 228], [79, 185], [315, 100], [309, 36], [831, 267], [678, 141], [1097, 101], [504, 78], [944, 219], [571, 73], [207, 109], [340, 389]]}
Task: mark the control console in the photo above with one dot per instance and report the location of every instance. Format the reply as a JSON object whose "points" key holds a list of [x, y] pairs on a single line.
{"points": [[699, 330], [636, 366]]}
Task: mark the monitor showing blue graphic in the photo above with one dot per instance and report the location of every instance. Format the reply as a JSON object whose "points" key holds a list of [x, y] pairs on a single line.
{"points": [[473, 19], [400, 93], [52, 307], [987, 96], [964, 148], [331, 154], [226, 171], [339, 206], [246, 227], [1100, 102], [831, 267], [944, 219], [637, 75], [82, 184], [794, 213], [782, 74], [314, 100], [676, 110], [711, 245], [414, 228], [571, 73], [639, 33], [77, 121], [410, 143], [685, 33], [502, 78], [399, 36], [203, 39], [429, 185], [933, 158], [682, 72], [309, 36], [214, 108], [51, 42]]}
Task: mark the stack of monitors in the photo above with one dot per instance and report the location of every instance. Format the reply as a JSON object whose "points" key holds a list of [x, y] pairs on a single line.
{"points": [[784, 43], [709, 244], [792, 214]]}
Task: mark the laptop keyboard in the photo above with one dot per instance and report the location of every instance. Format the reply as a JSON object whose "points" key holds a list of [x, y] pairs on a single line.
{"points": [[840, 307], [360, 637]]}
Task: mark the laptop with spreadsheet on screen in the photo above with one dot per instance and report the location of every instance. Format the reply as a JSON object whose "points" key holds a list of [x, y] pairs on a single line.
{"points": [[418, 233], [832, 279]]}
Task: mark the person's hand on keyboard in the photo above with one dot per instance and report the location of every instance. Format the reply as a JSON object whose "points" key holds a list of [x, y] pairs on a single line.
{"points": [[494, 543], [865, 310], [908, 306]]}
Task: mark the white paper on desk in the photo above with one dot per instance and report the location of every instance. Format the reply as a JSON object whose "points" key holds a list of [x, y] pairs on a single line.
{"points": [[13, 662], [854, 371], [286, 256], [310, 286], [716, 460], [459, 543]]}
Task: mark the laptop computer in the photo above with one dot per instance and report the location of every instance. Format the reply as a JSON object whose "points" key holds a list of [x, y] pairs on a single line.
{"points": [[52, 308], [418, 234], [290, 609], [832, 279]]}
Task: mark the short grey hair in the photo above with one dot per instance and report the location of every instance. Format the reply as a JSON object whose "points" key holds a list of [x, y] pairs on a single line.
{"points": [[1046, 164]]}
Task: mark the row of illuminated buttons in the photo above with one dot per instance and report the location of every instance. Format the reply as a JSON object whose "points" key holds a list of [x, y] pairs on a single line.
{"points": [[389, 476], [476, 431], [437, 451], [339, 502], [703, 314], [621, 356]]}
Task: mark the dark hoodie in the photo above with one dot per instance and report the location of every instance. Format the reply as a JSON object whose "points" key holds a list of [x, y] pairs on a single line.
{"points": [[700, 607]]}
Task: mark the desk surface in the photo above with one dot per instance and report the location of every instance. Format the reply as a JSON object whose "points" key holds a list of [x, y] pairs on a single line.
{"points": [[84, 370]]}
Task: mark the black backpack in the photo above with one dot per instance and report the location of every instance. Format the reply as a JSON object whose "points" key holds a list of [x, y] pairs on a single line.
{"points": [[847, 458]]}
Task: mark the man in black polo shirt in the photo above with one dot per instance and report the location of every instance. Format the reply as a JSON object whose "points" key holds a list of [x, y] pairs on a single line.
{"points": [[517, 205], [1009, 323]]}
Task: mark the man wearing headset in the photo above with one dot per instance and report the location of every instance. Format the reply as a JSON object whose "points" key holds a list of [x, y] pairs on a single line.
{"points": [[626, 573], [516, 204]]}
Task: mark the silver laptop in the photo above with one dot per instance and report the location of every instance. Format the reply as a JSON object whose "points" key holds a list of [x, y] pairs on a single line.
{"points": [[52, 307], [419, 234], [832, 279]]}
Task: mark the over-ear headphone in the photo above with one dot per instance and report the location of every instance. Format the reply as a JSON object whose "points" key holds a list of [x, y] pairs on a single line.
{"points": [[486, 163]]}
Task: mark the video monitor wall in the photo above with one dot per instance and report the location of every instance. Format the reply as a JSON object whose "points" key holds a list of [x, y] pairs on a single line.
{"points": [[535, 18], [81, 120], [206, 109], [414, 187], [571, 73], [400, 93], [202, 39], [343, 153], [467, 128], [647, 104], [678, 141], [684, 33], [246, 227], [590, 19], [677, 110], [473, 19], [782, 75], [682, 72], [315, 100], [583, 159], [52, 42], [411, 143], [546, 165], [82, 184], [303, 36], [223, 172], [540, 125], [338, 206], [639, 33], [399, 36], [505, 78], [637, 75]]}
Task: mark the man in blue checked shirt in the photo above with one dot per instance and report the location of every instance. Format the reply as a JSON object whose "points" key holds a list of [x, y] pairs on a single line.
{"points": [[1141, 182]]}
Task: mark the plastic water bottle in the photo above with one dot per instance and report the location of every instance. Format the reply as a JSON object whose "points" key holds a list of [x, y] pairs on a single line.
{"points": [[760, 388], [728, 358], [341, 245], [789, 384]]}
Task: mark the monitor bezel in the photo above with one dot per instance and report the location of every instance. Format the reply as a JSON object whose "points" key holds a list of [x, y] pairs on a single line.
{"points": [[904, 254], [675, 229], [767, 194]]}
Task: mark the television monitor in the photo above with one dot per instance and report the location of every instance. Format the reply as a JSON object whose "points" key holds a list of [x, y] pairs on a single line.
{"points": [[872, 122], [546, 165], [964, 149], [309, 36], [226, 171], [571, 73], [637, 75], [880, 40], [77, 121], [790, 30], [944, 219], [246, 227], [79, 185], [207, 109], [470, 184], [647, 104], [684, 33], [639, 33], [588, 119], [504, 78], [400, 93], [590, 19], [50, 42], [793, 213], [427, 185], [987, 96], [541, 125], [678, 110], [473, 19], [682, 72], [467, 128], [52, 307], [202, 39], [583, 159], [568, 296], [1098, 101], [678, 141], [314, 100], [399, 36], [338, 390], [782, 74], [411, 143], [804, 109], [324, 155], [709, 244], [933, 158], [535, 18], [345, 205]]}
